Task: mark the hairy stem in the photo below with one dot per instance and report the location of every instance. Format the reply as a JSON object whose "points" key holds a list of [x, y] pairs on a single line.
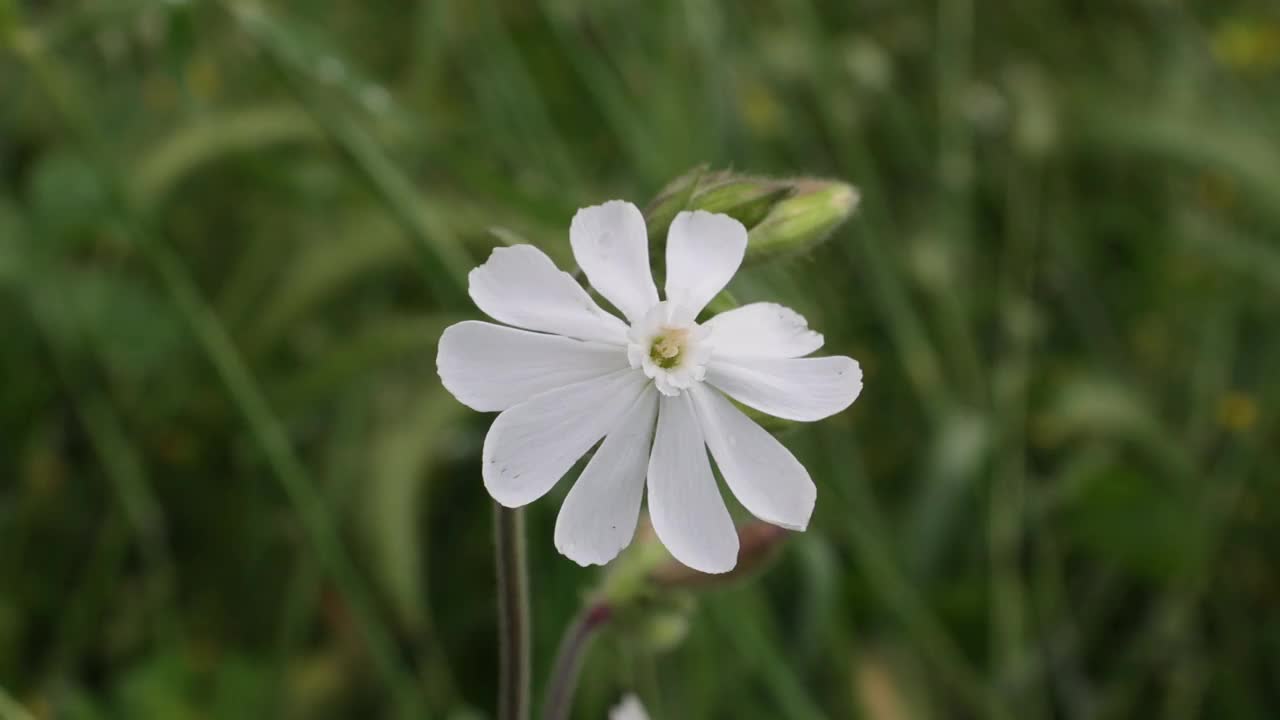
{"points": [[573, 648]]}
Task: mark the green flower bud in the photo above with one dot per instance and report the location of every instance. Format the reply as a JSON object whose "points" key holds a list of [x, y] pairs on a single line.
{"points": [[747, 200], [673, 198], [646, 571], [627, 578], [803, 220], [780, 214], [666, 628], [649, 596]]}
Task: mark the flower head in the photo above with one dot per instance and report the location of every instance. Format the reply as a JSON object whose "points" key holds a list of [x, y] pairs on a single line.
{"points": [[655, 387]]}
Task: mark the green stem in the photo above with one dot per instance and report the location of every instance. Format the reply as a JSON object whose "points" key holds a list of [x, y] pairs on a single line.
{"points": [[513, 614], [573, 648]]}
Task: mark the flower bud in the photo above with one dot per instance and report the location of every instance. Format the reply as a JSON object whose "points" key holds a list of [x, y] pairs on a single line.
{"points": [[646, 565], [757, 545], [747, 200], [670, 201], [803, 220], [780, 214], [664, 625], [650, 596]]}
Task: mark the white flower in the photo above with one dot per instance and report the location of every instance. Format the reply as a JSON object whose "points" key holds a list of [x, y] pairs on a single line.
{"points": [[629, 709], [652, 387]]}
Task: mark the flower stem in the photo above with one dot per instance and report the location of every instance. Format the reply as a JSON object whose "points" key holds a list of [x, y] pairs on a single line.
{"points": [[573, 648], [513, 614]]}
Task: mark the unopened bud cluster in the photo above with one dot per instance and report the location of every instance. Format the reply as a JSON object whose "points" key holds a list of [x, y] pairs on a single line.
{"points": [[781, 215]]}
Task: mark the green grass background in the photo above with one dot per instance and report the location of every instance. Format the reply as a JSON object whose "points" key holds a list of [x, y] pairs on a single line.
{"points": [[231, 485]]}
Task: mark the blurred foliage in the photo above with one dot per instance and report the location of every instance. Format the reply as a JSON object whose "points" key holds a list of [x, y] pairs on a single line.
{"points": [[230, 234]]}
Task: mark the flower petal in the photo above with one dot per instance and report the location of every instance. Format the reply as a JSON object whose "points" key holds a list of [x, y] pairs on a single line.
{"points": [[764, 476], [762, 330], [612, 247], [519, 285], [491, 367], [532, 445], [685, 506], [704, 250], [793, 388], [598, 518]]}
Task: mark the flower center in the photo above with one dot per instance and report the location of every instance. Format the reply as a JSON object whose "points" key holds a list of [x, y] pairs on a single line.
{"points": [[669, 348], [666, 348]]}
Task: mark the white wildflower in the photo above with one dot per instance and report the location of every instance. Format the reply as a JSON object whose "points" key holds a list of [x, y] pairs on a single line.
{"points": [[568, 374]]}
